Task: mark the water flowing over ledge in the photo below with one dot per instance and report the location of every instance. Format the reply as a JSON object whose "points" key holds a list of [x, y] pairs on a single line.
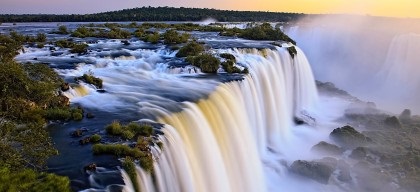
{"points": [[219, 143]]}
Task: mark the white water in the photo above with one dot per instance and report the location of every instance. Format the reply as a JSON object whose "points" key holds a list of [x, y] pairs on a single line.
{"points": [[373, 59], [220, 143]]}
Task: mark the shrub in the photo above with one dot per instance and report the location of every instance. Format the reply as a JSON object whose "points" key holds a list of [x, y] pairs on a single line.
{"points": [[265, 32], [173, 37], [206, 62], [30, 180], [40, 45], [139, 33], [77, 116], [58, 114], [117, 150], [41, 38], [146, 162], [64, 43], [228, 56], [143, 129], [130, 168], [191, 49], [229, 67], [62, 30], [95, 138], [153, 38], [91, 80], [127, 134], [114, 128], [80, 48], [292, 51]]}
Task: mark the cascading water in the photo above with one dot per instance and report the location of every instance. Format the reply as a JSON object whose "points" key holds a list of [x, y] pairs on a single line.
{"points": [[377, 63], [219, 143]]}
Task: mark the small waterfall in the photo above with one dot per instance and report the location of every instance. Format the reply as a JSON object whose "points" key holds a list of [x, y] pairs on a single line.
{"points": [[219, 143], [77, 91]]}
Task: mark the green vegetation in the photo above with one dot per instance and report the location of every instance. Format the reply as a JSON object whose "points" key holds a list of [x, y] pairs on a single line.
{"points": [[171, 36], [119, 150], [152, 38], [113, 32], [27, 93], [191, 49], [206, 62], [80, 48], [265, 32], [65, 43], [228, 56], [88, 78], [130, 168], [130, 130], [229, 67], [158, 14], [30, 180], [62, 30], [292, 51], [95, 138]]}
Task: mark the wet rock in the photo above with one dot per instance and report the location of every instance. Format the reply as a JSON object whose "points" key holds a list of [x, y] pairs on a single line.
{"points": [[90, 116], [91, 167], [101, 90], [84, 141], [125, 42], [77, 133], [318, 171], [348, 137], [392, 122], [344, 171], [327, 148], [358, 153], [65, 87]]}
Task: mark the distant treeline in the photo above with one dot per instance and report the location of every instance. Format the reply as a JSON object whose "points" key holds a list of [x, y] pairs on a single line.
{"points": [[158, 14]]}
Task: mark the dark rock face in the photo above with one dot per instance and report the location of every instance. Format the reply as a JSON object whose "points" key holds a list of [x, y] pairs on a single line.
{"points": [[358, 153], [327, 148], [319, 171], [348, 137], [90, 115], [405, 115], [392, 122]]}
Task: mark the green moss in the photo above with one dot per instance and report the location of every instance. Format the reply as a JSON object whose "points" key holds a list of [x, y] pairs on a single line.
{"points": [[191, 49], [58, 114], [77, 116]]}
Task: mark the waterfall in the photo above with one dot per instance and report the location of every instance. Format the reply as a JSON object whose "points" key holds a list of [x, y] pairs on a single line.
{"points": [[219, 143]]}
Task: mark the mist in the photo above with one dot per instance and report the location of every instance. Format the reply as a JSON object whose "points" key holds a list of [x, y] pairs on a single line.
{"points": [[373, 58]]}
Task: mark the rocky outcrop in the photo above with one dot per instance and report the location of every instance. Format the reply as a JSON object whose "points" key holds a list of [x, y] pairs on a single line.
{"points": [[325, 148], [319, 170], [349, 138], [392, 122]]}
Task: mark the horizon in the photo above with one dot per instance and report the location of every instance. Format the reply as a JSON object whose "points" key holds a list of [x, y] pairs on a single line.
{"points": [[357, 7]]}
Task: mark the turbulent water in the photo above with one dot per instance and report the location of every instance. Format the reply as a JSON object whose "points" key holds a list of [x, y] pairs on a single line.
{"points": [[373, 58]]}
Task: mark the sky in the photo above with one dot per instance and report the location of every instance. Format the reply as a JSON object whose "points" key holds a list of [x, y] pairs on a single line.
{"points": [[391, 8]]}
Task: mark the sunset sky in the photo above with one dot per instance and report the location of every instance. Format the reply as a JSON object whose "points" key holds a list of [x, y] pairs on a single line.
{"points": [[393, 8]]}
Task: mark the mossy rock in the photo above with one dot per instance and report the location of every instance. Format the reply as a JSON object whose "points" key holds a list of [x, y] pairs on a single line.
{"points": [[348, 137]]}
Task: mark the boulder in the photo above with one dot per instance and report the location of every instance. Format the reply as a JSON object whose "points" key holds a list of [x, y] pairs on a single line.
{"points": [[349, 138], [91, 167], [358, 153], [77, 133], [84, 141], [90, 116], [392, 122], [344, 171], [327, 148], [405, 115], [319, 171]]}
